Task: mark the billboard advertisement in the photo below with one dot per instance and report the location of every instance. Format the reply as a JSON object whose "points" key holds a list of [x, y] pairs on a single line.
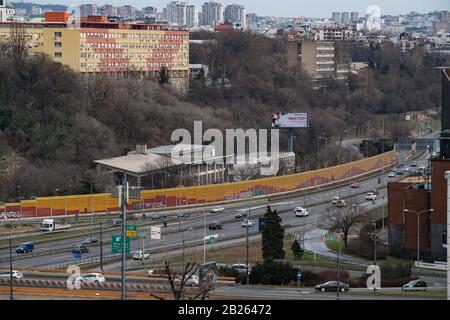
{"points": [[208, 273], [289, 120]]}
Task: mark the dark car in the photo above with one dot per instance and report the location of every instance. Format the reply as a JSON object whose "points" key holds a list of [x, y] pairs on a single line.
{"points": [[241, 214], [332, 286], [214, 226], [25, 247], [80, 248], [400, 172], [415, 285], [159, 216], [90, 240], [183, 214]]}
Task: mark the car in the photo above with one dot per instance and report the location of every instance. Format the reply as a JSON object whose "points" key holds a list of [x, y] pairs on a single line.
{"points": [[138, 255], [183, 214], [335, 200], [90, 240], [391, 174], [80, 248], [159, 216], [116, 222], [215, 226], [399, 172], [301, 212], [414, 164], [248, 224], [15, 274], [25, 247], [375, 192], [415, 285], [242, 214], [217, 209], [240, 267], [341, 203], [370, 196], [406, 169], [354, 185], [92, 278], [191, 282], [332, 286]]}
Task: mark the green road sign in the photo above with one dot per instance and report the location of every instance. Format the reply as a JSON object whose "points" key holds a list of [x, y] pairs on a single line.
{"points": [[332, 236], [212, 240], [116, 244], [131, 230]]}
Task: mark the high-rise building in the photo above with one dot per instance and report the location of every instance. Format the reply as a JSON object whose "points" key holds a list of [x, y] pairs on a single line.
{"points": [[176, 12], [191, 16], [88, 10], [235, 14], [108, 10], [345, 17], [354, 17], [36, 11], [336, 17], [212, 13], [126, 12], [6, 10], [150, 12], [252, 18]]}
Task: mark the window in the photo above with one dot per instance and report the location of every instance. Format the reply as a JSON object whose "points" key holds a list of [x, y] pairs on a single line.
{"points": [[58, 45], [58, 54], [58, 34]]}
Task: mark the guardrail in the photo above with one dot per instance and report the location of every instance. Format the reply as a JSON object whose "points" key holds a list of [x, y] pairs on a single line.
{"points": [[434, 266]]}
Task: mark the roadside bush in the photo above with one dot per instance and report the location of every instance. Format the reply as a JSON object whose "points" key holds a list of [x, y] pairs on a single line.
{"points": [[362, 249], [397, 282], [274, 273], [228, 272], [330, 275], [309, 279], [397, 270]]}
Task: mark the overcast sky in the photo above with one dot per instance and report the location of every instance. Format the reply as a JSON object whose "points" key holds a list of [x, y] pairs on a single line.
{"points": [[289, 8]]}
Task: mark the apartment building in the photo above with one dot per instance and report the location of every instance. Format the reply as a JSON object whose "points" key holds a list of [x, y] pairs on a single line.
{"points": [[88, 10], [235, 14], [212, 13], [191, 16], [175, 13], [6, 11], [102, 46]]}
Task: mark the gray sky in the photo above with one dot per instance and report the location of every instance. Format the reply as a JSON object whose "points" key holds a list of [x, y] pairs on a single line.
{"points": [[289, 8]]}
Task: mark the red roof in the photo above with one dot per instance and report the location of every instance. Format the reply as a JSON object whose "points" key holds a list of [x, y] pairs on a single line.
{"points": [[223, 27]]}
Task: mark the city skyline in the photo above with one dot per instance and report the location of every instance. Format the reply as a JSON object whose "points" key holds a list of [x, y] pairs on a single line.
{"points": [[290, 8]]}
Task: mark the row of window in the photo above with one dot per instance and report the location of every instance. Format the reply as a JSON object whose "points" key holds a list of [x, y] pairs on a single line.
{"points": [[135, 55], [133, 46], [126, 65], [137, 36]]}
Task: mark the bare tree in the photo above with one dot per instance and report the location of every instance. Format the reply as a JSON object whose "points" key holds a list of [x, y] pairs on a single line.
{"points": [[17, 43], [242, 172], [343, 218]]}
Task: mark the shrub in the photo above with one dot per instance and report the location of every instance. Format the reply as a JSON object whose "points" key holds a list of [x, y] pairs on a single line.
{"points": [[274, 273], [362, 249], [397, 270]]}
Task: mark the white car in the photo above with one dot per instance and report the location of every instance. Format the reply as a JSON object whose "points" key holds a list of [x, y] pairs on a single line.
{"points": [[335, 200], [391, 174], [371, 196], [15, 274], [301, 212], [192, 281], [217, 209], [92, 278], [249, 223], [138, 255]]}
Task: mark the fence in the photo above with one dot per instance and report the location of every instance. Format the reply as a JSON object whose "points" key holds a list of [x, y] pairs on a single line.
{"points": [[60, 206]]}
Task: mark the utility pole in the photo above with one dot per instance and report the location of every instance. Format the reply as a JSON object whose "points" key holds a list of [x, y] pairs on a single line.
{"points": [[10, 264], [101, 246], [305, 181], [124, 213], [337, 267], [247, 227], [204, 237]]}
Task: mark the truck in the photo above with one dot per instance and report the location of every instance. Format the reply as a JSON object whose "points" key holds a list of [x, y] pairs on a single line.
{"points": [[49, 225]]}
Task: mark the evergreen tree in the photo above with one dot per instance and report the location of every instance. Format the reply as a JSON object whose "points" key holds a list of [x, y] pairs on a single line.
{"points": [[163, 75], [272, 237], [297, 251]]}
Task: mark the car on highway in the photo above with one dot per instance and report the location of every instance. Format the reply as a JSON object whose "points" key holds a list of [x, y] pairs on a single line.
{"points": [[242, 214], [375, 192], [335, 200], [183, 214], [355, 185], [138, 255], [414, 164], [191, 282], [371, 196], [90, 240], [217, 209], [92, 278], [249, 224], [400, 172], [341, 203], [415, 285], [15, 274], [159, 216], [301, 212], [25, 247], [214, 226], [80, 248], [332, 286], [391, 174], [116, 222]]}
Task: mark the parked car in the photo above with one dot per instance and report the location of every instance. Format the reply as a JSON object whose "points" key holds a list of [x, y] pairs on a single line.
{"points": [[217, 209], [370, 196], [391, 174], [341, 203], [301, 212], [354, 185], [249, 223], [335, 200], [192, 281], [240, 267], [159, 216], [90, 240], [332, 286], [214, 226], [92, 278], [415, 285], [242, 214], [80, 248], [183, 214], [138, 255], [25, 247], [15, 274]]}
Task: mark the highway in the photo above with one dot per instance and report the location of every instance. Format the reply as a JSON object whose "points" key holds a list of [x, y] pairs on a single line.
{"points": [[231, 226]]}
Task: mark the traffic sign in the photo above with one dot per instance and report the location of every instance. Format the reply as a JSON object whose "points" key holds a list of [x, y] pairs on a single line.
{"points": [[116, 244], [332, 236], [299, 275], [155, 233], [131, 230], [77, 255]]}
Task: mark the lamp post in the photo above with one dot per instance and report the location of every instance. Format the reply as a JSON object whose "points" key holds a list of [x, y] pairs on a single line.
{"points": [[184, 240], [10, 263], [204, 236], [418, 232], [92, 204]]}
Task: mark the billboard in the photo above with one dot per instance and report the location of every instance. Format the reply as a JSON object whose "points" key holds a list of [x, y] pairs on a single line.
{"points": [[208, 274], [289, 120]]}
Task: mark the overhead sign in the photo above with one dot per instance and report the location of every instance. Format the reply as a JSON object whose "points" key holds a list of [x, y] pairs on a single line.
{"points": [[116, 244], [155, 233], [131, 231], [77, 255], [299, 275], [289, 120], [208, 275], [212, 238]]}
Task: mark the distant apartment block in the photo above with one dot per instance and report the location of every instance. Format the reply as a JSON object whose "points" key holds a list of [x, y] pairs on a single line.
{"points": [[236, 14], [175, 13], [126, 12], [6, 11], [100, 46], [191, 16], [336, 17], [345, 17], [88, 10], [108, 11], [212, 13], [150, 12]]}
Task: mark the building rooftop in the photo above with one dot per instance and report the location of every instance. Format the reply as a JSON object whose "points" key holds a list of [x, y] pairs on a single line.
{"points": [[137, 163]]}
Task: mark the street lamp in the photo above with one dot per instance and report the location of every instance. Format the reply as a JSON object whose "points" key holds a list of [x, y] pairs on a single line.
{"points": [[204, 237], [92, 205], [184, 235], [418, 230]]}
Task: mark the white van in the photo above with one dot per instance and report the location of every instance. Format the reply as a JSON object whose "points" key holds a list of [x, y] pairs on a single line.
{"points": [[335, 200], [301, 212]]}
